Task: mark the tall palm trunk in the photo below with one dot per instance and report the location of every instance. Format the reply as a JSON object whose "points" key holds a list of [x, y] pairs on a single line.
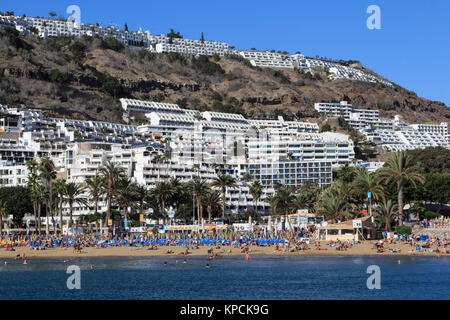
{"points": [[35, 217], [60, 214], [1, 226], [199, 210], [39, 217], [125, 212], [163, 209], [46, 220], [108, 211], [70, 213], [53, 222], [223, 202], [400, 200], [209, 208]]}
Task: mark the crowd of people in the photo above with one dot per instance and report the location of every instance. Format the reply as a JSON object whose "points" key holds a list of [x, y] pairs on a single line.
{"points": [[433, 223], [152, 241]]}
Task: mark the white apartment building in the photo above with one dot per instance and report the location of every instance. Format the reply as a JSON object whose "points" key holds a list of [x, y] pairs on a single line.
{"points": [[405, 139], [215, 141], [274, 60], [357, 118], [54, 27], [442, 129], [13, 175], [338, 71], [192, 47]]}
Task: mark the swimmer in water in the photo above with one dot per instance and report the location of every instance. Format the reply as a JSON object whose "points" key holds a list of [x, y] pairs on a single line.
{"points": [[247, 257], [176, 261], [6, 263], [92, 267], [25, 262], [184, 261], [165, 263], [207, 266]]}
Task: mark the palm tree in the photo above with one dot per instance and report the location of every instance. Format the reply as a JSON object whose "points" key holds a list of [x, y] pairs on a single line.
{"points": [[158, 159], [223, 182], [346, 192], [3, 214], [211, 200], [196, 167], [199, 187], [388, 212], [365, 183], [163, 191], [94, 185], [332, 206], [141, 195], [125, 194], [110, 172], [256, 192], [38, 196], [247, 177], [59, 188], [48, 174], [400, 169], [32, 183], [284, 199], [74, 195]]}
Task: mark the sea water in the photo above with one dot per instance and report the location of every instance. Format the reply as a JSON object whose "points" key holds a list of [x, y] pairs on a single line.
{"points": [[262, 277]]}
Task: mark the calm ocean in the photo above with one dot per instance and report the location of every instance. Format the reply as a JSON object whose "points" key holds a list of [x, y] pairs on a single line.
{"points": [[263, 277]]}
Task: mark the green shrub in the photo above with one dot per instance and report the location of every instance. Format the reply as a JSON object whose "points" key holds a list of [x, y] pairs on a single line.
{"points": [[230, 76], [227, 108], [113, 44], [403, 230], [182, 103], [280, 75], [216, 96], [175, 56], [431, 215], [110, 84], [78, 50], [57, 76], [15, 39], [159, 97], [386, 106], [205, 66], [241, 59], [326, 128]]}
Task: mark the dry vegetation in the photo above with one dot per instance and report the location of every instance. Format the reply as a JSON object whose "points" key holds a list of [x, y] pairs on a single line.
{"points": [[83, 78]]}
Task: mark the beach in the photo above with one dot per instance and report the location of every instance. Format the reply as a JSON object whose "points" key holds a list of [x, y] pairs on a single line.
{"points": [[363, 248]]}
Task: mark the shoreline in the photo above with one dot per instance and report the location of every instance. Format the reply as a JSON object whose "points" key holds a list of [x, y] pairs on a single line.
{"points": [[363, 249]]}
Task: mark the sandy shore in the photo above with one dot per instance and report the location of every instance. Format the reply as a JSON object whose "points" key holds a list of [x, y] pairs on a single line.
{"points": [[364, 248]]}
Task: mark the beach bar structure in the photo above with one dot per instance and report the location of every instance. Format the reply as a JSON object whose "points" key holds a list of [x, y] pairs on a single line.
{"points": [[346, 230]]}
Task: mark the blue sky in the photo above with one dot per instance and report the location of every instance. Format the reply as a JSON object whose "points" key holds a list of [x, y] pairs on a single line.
{"points": [[412, 48]]}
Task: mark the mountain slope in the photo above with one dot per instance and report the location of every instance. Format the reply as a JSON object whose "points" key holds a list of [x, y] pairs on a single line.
{"points": [[83, 78]]}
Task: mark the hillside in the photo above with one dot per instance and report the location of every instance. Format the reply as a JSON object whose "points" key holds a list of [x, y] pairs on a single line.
{"points": [[84, 78]]}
